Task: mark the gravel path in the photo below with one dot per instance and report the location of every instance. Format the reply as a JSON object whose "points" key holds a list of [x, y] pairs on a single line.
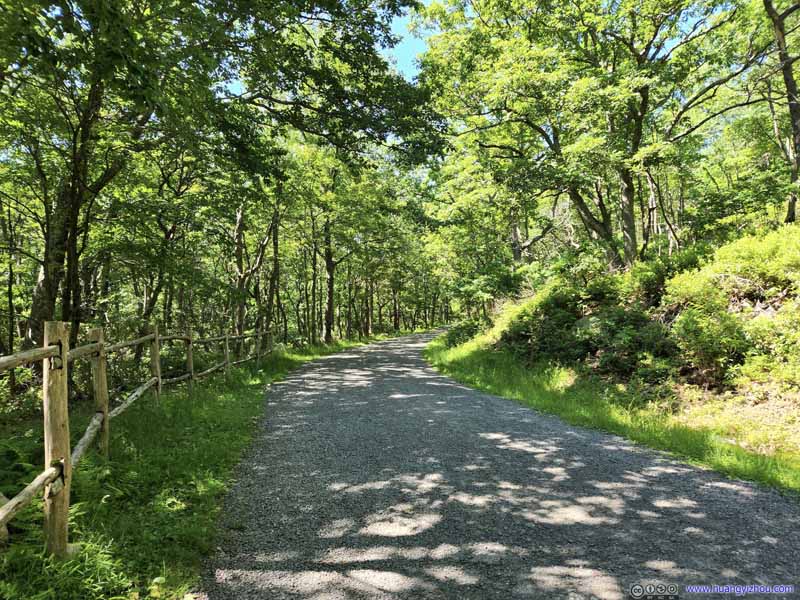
{"points": [[374, 477]]}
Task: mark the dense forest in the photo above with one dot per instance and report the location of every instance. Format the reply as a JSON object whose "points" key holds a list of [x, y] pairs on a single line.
{"points": [[210, 165], [609, 188], [269, 161]]}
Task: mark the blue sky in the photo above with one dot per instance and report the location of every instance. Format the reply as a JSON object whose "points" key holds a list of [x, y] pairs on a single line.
{"points": [[404, 54], [406, 51]]}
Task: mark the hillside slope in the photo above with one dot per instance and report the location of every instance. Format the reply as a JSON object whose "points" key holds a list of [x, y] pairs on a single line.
{"points": [[698, 357]]}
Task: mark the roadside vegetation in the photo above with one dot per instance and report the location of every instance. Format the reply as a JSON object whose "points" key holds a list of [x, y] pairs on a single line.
{"points": [[145, 518], [603, 193], [697, 354], [210, 169], [617, 210]]}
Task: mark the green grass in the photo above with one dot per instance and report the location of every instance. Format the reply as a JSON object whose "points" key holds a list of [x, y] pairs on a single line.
{"points": [[146, 518], [587, 401]]}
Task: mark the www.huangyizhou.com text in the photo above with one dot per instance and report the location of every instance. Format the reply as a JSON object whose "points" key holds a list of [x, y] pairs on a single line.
{"points": [[740, 590], [673, 592]]}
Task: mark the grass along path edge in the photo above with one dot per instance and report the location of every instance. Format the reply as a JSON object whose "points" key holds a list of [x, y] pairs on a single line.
{"points": [[592, 403], [146, 518]]}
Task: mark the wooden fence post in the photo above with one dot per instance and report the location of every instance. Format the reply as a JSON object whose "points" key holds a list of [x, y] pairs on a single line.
{"points": [[100, 386], [155, 362], [227, 356], [3, 528], [56, 439], [190, 362]]}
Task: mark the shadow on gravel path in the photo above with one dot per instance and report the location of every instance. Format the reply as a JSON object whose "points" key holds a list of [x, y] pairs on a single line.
{"points": [[374, 477]]}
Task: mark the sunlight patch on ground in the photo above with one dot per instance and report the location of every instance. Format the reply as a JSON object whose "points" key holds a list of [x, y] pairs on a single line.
{"points": [[583, 579]]}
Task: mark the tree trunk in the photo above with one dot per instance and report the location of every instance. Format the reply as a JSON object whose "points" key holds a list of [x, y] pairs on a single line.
{"points": [[308, 324], [516, 237], [274, 278], [370, 305], [147, 312], [321, 299], [43, 303], [8, 232], [313, 316], [779, 29], [330, 268], [395, 310], [627, 200], [598, 229], [349, 314], [170, 294], [284, 318], [241, 279]]}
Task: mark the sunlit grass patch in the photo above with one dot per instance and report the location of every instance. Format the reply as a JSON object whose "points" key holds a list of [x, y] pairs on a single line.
{"points": [[146, 518], [591, 402]]}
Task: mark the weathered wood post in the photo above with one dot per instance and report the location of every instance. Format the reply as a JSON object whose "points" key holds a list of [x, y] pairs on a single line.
{"points": [[56, 439], [100, 386], [227, 356], [3, 528], [190, 362], [155, 362]]}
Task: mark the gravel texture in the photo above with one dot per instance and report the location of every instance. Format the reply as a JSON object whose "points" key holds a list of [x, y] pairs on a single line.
{"points": [[372, 476]]}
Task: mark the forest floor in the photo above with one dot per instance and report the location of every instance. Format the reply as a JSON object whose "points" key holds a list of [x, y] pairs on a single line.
{"points": [[373, 476]]}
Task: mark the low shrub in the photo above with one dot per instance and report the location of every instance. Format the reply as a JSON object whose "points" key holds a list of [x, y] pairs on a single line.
{"points": [[710, 342], [464, 331], [645, 283], [623, 340], [566, 324], [738, 307], [774, 345], [668, 314], [545, 328]]}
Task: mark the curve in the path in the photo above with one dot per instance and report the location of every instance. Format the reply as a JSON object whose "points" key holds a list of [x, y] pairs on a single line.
{"points": [[372, 476]]}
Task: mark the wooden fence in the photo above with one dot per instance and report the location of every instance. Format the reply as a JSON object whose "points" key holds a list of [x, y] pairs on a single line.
{"points": [[56, 357]]}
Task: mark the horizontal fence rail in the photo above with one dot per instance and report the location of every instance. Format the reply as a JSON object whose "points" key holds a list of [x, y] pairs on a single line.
{"points": [[56, 356], [123, 345], [21, 500], [87, 350], [168, 338], [29, 356]]}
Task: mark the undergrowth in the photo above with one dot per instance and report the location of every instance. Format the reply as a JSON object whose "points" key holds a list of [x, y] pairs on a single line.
{"points": [[581, 398], [145, 519]]}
